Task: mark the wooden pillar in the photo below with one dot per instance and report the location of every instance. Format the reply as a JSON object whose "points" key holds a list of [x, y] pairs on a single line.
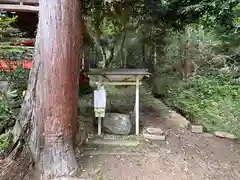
{"points": [[99, 126], [99, 118], [137, 106]]}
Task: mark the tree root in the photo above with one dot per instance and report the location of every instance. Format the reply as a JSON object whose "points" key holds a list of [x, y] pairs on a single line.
{"points": [[68, 178], [17, 168]]}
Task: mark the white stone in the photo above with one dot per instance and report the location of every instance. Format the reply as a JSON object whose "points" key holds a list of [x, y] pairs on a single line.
{"points": [[225, 135], [154, 137], [4, 85], [197, 128], [155, 131], [178, 120]]}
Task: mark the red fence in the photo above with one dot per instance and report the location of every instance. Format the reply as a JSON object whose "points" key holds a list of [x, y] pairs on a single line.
{"points": [[9, 65]]}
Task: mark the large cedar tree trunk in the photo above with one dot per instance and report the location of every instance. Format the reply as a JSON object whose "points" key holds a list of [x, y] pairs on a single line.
{"points": [[45, 129], [60, 53]]}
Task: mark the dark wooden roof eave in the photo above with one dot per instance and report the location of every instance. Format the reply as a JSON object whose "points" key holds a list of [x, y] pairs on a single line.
{"points": [[106, 71]]}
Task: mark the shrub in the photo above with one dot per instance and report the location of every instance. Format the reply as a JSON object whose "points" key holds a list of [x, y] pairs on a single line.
{"points": [[213, 98], [11, 99], [211, 95]]}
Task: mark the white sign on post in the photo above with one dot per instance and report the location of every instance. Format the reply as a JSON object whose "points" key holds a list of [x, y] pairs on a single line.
{"points": [[100, 100]]}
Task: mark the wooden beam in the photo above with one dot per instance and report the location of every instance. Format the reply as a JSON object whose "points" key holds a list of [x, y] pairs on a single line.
{"points": [[19, 8], [119, 83], [137, 106], [18, 1]]}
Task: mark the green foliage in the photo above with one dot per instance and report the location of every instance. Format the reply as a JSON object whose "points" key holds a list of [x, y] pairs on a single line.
{"points": [[18, 78], [5, 28], [10, 103], [5, 140], [213, 98], [231, 38], [15, 52], [7, 33], [170, 33], [11, 98], [107, 23], [114, 25], [195, 45]]}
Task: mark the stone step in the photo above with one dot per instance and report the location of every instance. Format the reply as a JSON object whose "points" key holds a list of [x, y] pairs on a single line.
{"points": [[154, 137], [227, 135], [119, 137], [196, 128], [154, 134], [114, 142], [119, 153]]}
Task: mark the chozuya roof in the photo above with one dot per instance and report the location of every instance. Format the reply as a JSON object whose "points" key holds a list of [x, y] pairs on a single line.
{"points": [[118, 72], [19, 5]]}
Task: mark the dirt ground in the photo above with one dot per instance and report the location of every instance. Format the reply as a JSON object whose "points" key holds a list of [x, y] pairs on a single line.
{"points": [[183, 156]]}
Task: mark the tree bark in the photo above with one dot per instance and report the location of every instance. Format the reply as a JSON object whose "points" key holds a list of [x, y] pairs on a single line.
{"points": [[60, 45], [45, 130]]}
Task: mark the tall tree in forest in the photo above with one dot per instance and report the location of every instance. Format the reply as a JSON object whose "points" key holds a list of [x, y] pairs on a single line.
{"points": [[60, 54], [44, 132]]}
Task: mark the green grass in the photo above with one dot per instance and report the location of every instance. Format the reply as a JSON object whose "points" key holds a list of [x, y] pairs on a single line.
{"points": [[212, 100], [4, 141]]}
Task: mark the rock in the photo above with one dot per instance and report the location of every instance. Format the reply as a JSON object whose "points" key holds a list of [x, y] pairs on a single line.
{"points": [[154, 137], [115, 123], [178, 120], [156, 131], [4, 86], [225, 135], [82, 133], [154, 134], [2, 153], [196, 128]]}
